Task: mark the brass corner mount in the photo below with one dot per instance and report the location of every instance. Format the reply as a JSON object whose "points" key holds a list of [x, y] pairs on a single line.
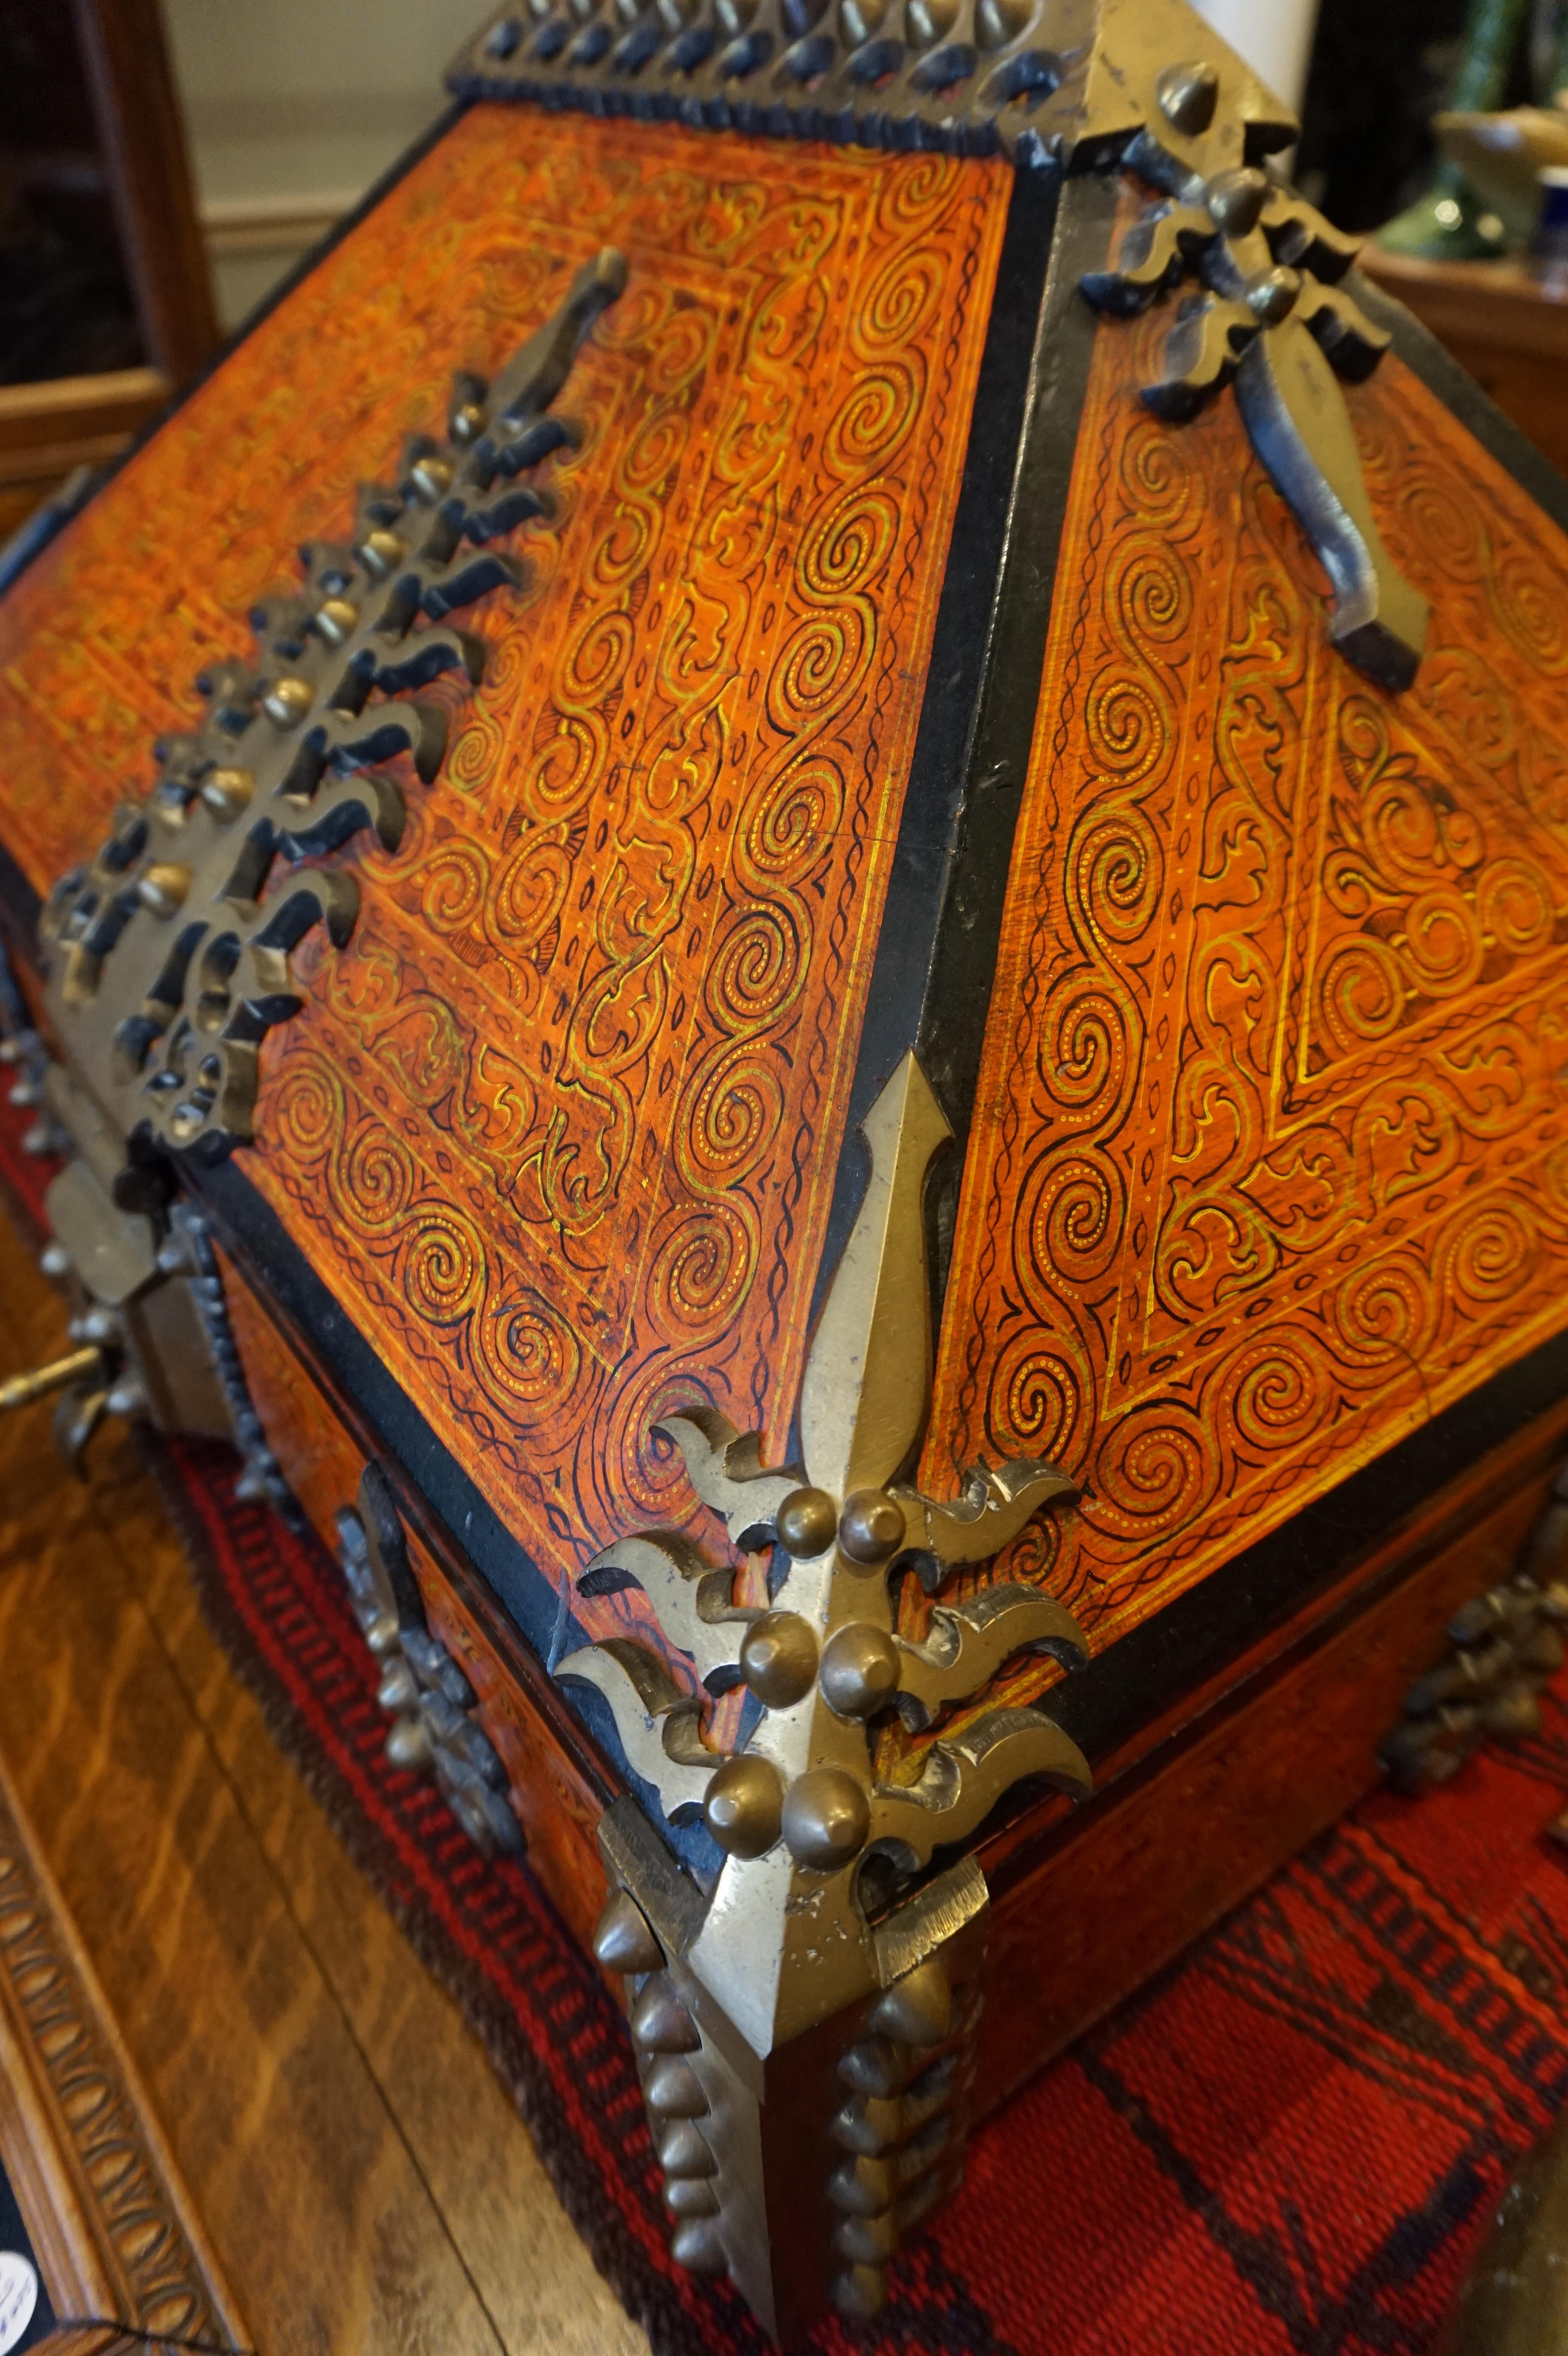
{"points": [[790, 1934]]}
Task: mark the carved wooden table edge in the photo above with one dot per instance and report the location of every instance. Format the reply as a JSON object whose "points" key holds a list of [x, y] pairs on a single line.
{"points": [[116, 2230]]}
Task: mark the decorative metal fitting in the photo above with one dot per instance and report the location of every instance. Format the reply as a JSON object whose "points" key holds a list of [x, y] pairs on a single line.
{"points": [[1502, 1647], [785, 1937], [168, 956], [803, 2173], [1047, 82], [424, 1693], [1273, 317]]}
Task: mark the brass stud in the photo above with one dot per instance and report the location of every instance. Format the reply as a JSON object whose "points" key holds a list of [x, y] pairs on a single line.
{"points": [[226, 792], [1512, 1715], [807, 1522], [827, 1818], [863, 2188], [998, 22], [859, 1670], [383, 1633], [698, 2249], [164, 887], [434, 476], [682, 2151], [1188, 95], [870, 2124], [778, 1658], [917, 2009], [859, 19], [1272, 296], [871, 1526], [1235, 200], [468, 422], [408, 1745], [336, 620], [383, 552], [398, 1691], [660, 2022], [860, 2292], [691, 2196], [872, 2240], [743, 1805], [674, 2090], [876, 2067], [287, 701], [621, 1939], [926, 22]]}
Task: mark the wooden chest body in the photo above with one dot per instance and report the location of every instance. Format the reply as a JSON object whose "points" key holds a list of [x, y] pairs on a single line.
{"points": [[896, 729]]}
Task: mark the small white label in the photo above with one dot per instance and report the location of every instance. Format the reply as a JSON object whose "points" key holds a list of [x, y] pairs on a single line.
{"points": [[19, 2297]]}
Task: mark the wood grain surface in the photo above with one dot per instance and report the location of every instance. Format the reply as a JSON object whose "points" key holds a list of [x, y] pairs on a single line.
{"points": [[362, 2178]]}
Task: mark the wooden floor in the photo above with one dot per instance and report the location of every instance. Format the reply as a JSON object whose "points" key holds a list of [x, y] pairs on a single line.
{"points": [[360, 2176]]}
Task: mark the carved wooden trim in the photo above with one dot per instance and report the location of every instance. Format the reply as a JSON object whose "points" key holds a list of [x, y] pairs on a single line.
{"points": [[112, 2223]]}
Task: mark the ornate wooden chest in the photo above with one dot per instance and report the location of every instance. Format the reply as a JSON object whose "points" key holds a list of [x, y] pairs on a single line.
{"points": [[845, 1034]]}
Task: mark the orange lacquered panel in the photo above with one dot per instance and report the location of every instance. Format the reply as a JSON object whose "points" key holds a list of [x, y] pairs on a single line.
{"points": [[1270, 1155], [559, 1128]]}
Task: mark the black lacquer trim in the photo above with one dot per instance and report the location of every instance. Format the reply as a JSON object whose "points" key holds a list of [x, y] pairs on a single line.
{"points": [[253, 319], [1442, 374], [20, 907], [1187, 1641], [936, 952], [958, 996]]}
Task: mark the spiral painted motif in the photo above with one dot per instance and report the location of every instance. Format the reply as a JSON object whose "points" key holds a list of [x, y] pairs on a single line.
{"points": [[1271, 1159]]}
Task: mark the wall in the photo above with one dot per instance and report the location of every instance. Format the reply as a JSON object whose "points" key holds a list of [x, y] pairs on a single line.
{"points": [[293, 107]]}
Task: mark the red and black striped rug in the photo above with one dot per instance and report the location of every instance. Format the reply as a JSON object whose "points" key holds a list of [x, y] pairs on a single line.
{"points": [[1289, 2144]]}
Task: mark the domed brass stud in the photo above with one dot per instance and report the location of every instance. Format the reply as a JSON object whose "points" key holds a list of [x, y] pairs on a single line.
{"points": [[998, 22], [778, 1658], [397, 1689], [873, 2239], [164, 887], [336, 620], [859, 1670], [871, 1526], [408, 1745], [683, 2149], [698, 2249], [807, 1522], [743, 1805], [1513, 1715], [1272, 296], [660, 2022], [467, 423], [287, 701], [859, 19], [1188, 95], [623, 1941], [827, 1818], [926, 22], [691, 2196], [860, 2292], [382, 551], [917, 2009], [1235, 200], [673, 2089], [226, 792]]}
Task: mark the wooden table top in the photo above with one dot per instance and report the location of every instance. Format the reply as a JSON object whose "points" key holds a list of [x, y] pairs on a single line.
{"points": [[349, 2163]]}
